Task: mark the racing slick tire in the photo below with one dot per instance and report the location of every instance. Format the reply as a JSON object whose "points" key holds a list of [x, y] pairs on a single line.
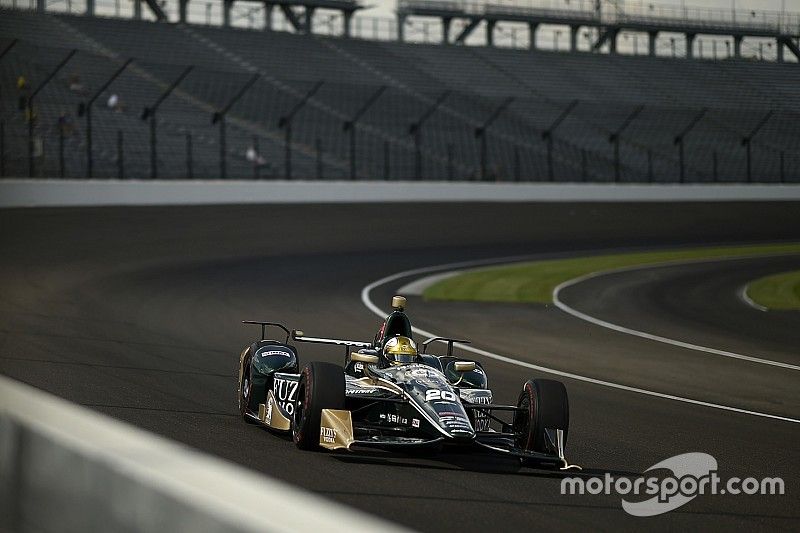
{"points": [[545, 405], [245, 394], [321, 387]]}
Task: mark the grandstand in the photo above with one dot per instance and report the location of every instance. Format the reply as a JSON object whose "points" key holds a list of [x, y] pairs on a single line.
{"points": [[353, 108]]}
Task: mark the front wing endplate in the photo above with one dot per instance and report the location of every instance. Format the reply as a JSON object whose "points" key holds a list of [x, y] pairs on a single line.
{"points": [[335, 429]]}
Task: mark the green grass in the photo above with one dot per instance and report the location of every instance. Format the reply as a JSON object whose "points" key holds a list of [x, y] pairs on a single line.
{"points": [[779, 291], [534, 282]]}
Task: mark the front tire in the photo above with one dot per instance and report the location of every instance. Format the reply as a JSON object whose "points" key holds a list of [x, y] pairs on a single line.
{"points": [[545, 405], [321, 387], [246, 394]]}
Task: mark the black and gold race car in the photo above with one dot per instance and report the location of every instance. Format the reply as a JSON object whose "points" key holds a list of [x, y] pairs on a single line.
{"points": [[390, 395]]}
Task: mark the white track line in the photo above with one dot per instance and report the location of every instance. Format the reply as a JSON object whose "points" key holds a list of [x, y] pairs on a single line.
{"points": [[367, 301], [749, 301], [657, 338]]}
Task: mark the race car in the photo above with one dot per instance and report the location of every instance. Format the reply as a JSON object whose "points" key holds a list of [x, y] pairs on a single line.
{"points": [[388, 394]]}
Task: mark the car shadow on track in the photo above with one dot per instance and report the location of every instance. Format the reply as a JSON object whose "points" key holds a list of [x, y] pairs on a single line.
{"points": [[471, 462]]}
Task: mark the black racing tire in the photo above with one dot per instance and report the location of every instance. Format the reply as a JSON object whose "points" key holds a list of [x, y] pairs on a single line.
{"points": [[245, 393], [321, 387], [545, 405]]}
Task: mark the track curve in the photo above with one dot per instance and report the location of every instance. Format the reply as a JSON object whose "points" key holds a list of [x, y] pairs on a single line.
{"points": [[134, 312]]}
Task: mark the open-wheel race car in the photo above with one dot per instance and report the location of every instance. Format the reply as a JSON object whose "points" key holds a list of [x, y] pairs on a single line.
{"points": [[390, 395]]}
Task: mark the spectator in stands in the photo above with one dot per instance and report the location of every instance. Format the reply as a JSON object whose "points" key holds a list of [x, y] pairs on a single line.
{"points": [[114, 103], [252, 155], [66, 124], [75, 85], [23, 91]]}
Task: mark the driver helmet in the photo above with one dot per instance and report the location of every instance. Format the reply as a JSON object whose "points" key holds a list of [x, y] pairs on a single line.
{"points": [[400, 350]]}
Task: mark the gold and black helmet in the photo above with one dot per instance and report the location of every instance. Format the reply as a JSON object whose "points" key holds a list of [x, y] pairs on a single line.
{"points": [[400, 350]]}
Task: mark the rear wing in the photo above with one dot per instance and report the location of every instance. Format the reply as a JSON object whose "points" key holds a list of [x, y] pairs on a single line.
{"points": [[301, 337], [264, 325]]}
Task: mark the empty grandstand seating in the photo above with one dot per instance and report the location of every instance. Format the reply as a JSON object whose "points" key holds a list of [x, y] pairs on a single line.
{"points": [[607, 88]]}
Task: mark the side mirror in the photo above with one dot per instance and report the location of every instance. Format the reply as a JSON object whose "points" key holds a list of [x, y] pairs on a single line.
{"points": [[364, 358], [297, 333], [464, 366]]}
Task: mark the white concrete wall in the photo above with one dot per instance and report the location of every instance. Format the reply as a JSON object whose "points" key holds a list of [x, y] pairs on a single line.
{"points": [[42, 193], [68, 469]]}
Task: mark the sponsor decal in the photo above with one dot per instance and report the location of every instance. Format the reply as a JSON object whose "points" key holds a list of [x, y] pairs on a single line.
{"points": [[327, 434], [281, 353], [396, 419], [358, 367], [285, 391], [415, 422], [687, 476], [432, 395], [268, 416], [361, 391], [454, 420]]}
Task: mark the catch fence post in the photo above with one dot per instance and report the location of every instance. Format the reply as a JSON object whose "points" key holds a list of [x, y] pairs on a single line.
{"points": [[318, 144], [450, 170], [60, 150], [386, 160], [2, 148], [120, 156], [583, 165], [256, 168], [189, 162]]}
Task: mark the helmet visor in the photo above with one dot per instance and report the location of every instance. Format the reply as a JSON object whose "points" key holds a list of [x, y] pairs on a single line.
{"points": [[402, 358]]}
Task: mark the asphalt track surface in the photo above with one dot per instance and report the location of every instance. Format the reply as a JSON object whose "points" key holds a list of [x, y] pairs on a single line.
{"points": [[134, 312]]}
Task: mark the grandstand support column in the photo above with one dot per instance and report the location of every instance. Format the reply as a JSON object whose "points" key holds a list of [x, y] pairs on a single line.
{"points": [[348, 20], [690, 45], [308, 20], [227, 5], [490, 32], [737, 46], [573, 38], [651, 43], [779, 50], [533, 27], [41, 6], [183, 6], [401, 27], [89, 8], [447, 23], [137, 9], [268, 7], [612, 42]]}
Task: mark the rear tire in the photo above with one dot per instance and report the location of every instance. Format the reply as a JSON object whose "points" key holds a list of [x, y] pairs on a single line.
{"points": [[321, 387], [545, 405]]}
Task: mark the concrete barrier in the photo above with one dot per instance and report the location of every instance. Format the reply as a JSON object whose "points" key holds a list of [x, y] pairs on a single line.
{"points": [[52, 192], [65, 468]]}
